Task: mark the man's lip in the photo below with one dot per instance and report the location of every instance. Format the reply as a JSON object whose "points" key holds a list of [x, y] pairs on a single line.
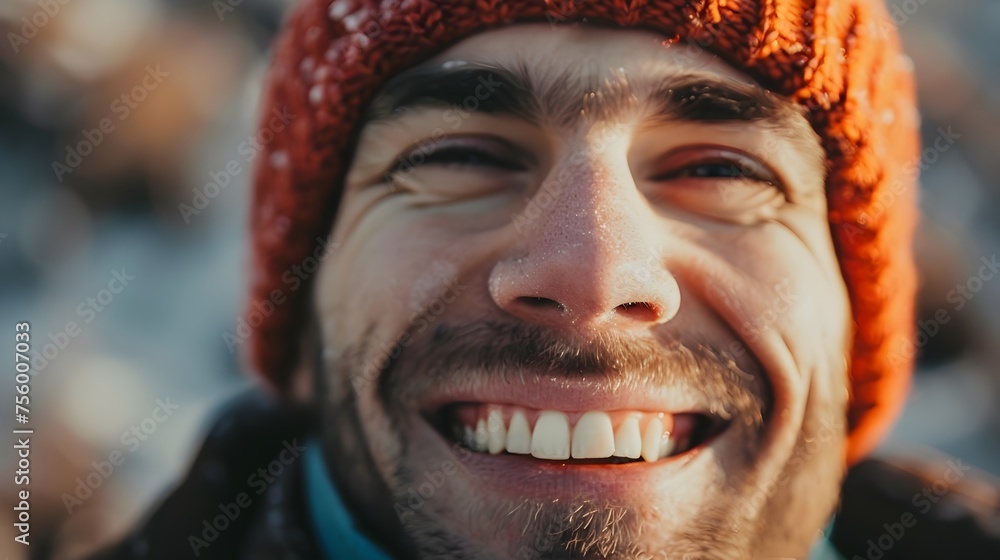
{"points": [[547, 392]]}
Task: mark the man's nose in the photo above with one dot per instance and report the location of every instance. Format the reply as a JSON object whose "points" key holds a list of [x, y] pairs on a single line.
{"points": [[590, 253]]}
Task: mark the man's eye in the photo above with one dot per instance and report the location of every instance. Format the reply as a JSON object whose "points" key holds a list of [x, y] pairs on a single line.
{"points": [[471, 153], [466, 157], [742, 169], [463, 166], [720, 183], [713, 170]]}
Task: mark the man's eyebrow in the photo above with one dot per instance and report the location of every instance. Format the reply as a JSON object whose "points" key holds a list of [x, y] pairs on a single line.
{"points": [[562, 97], [470, 88], [697, 98]]}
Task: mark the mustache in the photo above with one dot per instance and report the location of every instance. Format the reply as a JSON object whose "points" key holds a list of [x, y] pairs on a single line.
{"points": [[456, 356]]}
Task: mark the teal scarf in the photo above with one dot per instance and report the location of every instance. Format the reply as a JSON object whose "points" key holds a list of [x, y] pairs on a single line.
{"points": [[338, 537]]}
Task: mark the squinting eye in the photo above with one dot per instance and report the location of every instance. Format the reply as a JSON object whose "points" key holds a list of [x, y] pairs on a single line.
{"points": [[715, 165], [480, 153], [462, 167], [466, 157], [712, 170], [717, 182]]}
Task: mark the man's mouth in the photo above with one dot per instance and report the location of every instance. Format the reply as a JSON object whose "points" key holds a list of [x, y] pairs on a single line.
{"points": [[591, 437]]}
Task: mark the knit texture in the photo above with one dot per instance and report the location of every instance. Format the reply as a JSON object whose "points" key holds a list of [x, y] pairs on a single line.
{"points": [[840, 59]]}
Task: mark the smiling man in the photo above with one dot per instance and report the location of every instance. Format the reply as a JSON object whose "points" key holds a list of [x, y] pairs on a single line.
{"points": [[606, 281], [598, 358]]}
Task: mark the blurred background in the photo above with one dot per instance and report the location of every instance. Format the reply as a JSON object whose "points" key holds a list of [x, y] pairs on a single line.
{"points": [[116, 114]]}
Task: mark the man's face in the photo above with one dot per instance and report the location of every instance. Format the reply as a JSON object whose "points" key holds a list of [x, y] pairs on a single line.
{"points": [[584, 304]]}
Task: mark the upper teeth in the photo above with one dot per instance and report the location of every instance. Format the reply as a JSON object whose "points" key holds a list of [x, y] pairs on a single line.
{"points": [[497, 432], [627, 440], [550, 440], [519, 434], [593, 437]]}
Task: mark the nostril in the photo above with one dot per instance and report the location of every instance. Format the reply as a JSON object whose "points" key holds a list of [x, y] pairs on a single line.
{"points": [[639, 311], [541, 303]]}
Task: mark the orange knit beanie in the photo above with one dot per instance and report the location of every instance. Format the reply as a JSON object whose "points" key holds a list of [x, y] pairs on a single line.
{"points": [[840, 59]]}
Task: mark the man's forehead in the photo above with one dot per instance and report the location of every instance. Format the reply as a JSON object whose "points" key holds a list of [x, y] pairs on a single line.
{"points": [[539, 45], [564, 75]]}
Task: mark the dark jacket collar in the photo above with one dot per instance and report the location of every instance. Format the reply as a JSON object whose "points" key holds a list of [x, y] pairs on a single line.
{"points": [[229, 506]]}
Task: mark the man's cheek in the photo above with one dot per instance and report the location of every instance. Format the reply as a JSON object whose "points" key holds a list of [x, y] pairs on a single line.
{"points": [[363, 297], [805, 312], [816, 327]]}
